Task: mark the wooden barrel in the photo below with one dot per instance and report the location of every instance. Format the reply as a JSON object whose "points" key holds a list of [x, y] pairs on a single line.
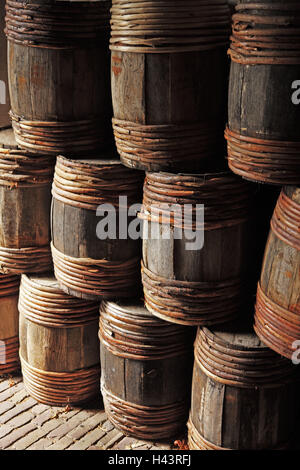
{"points": [[85, 265], [169, 82], [196, 285], [146, 368], [9, 324], [4, 92], [244, 396], [59, 75], [262, 133], [25, 201], [277, 317], [59, 348]]}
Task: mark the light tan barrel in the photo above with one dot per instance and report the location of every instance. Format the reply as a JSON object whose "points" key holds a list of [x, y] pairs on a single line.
{"points": [[59, 347], [25, 201], [244, 395], [9, 324]]}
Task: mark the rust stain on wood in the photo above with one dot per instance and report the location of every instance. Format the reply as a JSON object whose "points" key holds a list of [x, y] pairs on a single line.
{"points": [[38, 75], [117, 59], [21, 82], [116, 70]]}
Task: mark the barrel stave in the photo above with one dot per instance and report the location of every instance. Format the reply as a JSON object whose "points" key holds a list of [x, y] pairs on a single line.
{"points": [[251, 408], [146, 370], [59, 349]]}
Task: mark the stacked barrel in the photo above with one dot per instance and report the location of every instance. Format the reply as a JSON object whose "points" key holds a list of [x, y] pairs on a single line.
{"points": [[59, 80], [245, 380], [193, 276], [169, 82], [263, 146]]}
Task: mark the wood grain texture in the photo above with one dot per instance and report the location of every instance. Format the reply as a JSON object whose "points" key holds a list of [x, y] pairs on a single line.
{"points": [[151, 380], [55, 348], [262, 113], [175, 88], [9, 317], [277, 319], [59, 84], [244, 396]]}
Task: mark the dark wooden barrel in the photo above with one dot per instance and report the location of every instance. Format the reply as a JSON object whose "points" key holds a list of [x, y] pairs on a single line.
{"points": [[59, 348], [85, 265], [262, 133], [9, 324], [196, 285], [25, 201], [146, 368], [244, 396], [169, 82], [59, 75], [277, 317]]}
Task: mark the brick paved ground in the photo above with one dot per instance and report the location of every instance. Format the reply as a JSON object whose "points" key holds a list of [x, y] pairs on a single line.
{"points": [[27, 424]]}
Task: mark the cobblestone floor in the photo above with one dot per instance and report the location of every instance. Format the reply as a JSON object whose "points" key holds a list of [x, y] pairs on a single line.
{"points": [[27, 424]]}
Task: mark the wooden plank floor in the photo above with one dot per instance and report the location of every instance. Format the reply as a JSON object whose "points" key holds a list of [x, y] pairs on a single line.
{"points": [[27, 424]]}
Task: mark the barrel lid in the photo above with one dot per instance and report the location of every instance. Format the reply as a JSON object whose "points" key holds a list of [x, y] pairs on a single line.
{"points": [[238, 334], [7, 139], [133, 306], [43, 280], [221, 172], [107, 157], [293, 192]]}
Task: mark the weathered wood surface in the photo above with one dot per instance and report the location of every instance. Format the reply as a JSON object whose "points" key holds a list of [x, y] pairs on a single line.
{"points": [[56, 79], [228, 255], [277, 319], [153, 373], [169, 83], [248, 397], [9, 324], [74, 232], [25, 201], [59, 348], [180, 88], [261, 111]]}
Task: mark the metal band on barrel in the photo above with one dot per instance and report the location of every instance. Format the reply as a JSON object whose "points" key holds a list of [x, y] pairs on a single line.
{"points": [[57, 25], [165, 195], [197, 442], [147, 422], [245, 371], [9, 285], [87, 186], [191, 303], [97, 277], [57, 137], [277, 326], [166, 144], [20, 260], [269, 161], [268, 38], [20, 169], [149, 339], [285, 222], [165, 27], [61, 388], [52, 308]]}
